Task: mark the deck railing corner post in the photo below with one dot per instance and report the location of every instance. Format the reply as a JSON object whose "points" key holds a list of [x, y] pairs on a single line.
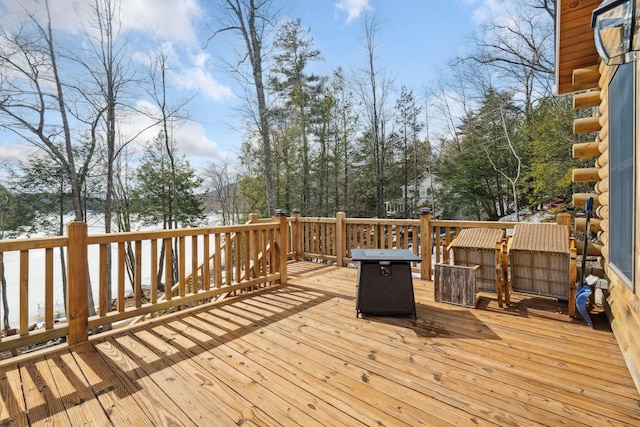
{"points": [[295, 229], [426, 268], [340, 238], [77, 283], [564, 219], [283, 241]]}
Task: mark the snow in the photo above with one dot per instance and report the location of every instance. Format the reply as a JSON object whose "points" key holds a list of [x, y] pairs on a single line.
{"points": [[528, 216]]}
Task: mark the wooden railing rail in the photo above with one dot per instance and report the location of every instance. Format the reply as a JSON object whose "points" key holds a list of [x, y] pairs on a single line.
{"points": [[209, 261], [215, 258], [237, 262], [27, 250], [332, 239]]}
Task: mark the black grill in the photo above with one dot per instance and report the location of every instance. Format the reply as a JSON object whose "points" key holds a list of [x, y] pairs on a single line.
{"points": [[384, 281]]}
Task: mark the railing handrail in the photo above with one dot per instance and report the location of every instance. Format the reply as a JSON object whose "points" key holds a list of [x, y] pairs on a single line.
{"points": [[428, 247], [129, 236], [381, 221], [33, 243]]}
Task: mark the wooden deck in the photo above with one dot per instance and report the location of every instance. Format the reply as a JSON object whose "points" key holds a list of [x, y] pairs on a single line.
{"points": [[297, 355]]}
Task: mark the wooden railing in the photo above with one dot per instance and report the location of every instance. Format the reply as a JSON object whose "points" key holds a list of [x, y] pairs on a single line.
{"points": [[332, 239], [209, 262], [21, 336]]}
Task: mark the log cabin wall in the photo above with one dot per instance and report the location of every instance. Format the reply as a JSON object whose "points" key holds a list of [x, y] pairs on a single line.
{"points": [[623, 301], [580, 71]]}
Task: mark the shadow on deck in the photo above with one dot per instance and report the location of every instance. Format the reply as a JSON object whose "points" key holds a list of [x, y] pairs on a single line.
{"points": [[297, 355]]}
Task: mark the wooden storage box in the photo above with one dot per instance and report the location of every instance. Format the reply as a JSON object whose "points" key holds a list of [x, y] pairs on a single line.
{"points": [[477, 246], [540, 260], [456, 284]]}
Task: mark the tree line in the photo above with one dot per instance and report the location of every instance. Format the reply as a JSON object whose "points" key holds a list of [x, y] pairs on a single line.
{"points": [[483, 141]]}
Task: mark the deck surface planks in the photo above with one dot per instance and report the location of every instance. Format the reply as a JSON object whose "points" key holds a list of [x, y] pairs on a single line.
{"points": [[297, 355]]}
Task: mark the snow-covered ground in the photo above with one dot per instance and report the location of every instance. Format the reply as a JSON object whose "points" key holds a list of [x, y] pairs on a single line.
{"points": [[527, 215], [37, 273]]}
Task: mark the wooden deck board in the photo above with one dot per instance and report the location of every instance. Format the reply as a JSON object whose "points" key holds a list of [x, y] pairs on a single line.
{"points": [[416, 372], [377, 354], [158, 406], [345, 375], [236, 357], [13, 410], [297, 355], [168, 376], [358, 373], [41, 395], [115, 394]]}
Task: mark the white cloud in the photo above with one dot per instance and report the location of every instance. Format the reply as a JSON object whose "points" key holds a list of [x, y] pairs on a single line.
{"points": [[162, 19], [485, 11], [190, 136], [165, 19], [189, 72], [199, 79], [193, 142], [200, 60], [354, 8], [11, 152]]}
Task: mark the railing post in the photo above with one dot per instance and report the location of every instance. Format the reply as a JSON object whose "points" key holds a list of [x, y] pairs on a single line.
{"points": [[564, 219], [340, 238], [283, 241], [295, 230], [253, 218], [425, 244], [77, 283]]}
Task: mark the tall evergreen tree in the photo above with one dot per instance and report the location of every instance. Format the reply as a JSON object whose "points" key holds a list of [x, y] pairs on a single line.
{"points": [[152, 200], [298, 90], [344, 122], [407, 113], [473, 172], [547, 174], [152, 197]]}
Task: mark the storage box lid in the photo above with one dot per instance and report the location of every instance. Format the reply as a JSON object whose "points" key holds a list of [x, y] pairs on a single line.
{"points": [[540, 237], [478, 238]]}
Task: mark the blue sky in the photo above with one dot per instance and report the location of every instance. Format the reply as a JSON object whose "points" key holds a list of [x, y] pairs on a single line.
{"points": [[416, 38]]}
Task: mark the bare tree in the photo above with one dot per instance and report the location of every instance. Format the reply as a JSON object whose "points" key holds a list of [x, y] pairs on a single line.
{"points": [[105, 63], [33, 100], [549, 6], [521, 47], [251, 20], [373, 89], [105, 66], [513, 180], [167, 118], [225, 191]]}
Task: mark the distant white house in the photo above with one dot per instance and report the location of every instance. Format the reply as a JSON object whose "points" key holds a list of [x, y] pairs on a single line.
{"points": [[428, 186]]}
